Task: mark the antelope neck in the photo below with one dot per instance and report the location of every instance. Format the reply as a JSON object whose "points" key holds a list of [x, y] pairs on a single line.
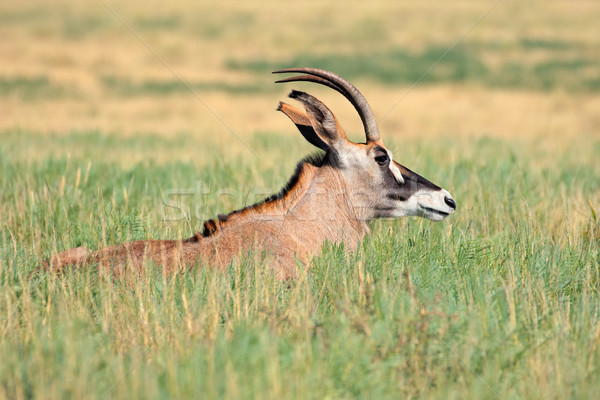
{"points": [[326, 210]]}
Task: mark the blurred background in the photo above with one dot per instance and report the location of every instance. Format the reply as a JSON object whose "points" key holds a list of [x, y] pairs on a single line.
{"points": [[202, 70]]}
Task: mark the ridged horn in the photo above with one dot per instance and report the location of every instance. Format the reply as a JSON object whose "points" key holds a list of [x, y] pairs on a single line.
{"points": [[341, 85]]}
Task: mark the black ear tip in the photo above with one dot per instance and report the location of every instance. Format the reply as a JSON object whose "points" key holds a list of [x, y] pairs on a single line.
{"points": [[279, 106], [296, 94]]}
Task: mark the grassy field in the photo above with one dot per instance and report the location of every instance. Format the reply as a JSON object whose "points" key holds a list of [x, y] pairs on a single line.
{"points": [[108, 135]]}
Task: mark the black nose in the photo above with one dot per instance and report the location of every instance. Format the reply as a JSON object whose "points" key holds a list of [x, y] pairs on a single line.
{"points": [[450, 202]]}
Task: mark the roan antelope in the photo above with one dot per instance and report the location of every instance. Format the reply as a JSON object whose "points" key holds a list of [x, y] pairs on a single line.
{"points": [[331, 197]]}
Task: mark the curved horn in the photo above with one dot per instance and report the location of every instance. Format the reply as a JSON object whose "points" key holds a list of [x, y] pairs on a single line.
{"points": [[341, 85]]}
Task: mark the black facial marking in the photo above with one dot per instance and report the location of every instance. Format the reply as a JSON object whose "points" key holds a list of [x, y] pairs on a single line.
{"points": [[412, 184], [397, 196], [417, 180]]}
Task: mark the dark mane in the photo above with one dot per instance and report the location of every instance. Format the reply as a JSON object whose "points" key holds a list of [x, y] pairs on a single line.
{"points": [[312, 159], [212, 226]]}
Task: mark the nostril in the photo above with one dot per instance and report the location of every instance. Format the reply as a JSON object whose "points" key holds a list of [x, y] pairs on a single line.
{"points": [[450, 202]]}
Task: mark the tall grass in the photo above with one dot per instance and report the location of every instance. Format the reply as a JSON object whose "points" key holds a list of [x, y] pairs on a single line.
{"points": [[502, 300], [100, 144]]}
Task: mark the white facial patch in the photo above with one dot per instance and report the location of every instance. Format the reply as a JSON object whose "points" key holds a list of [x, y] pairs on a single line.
{"points": [[433, 205], [395, 170], [427, 204]]}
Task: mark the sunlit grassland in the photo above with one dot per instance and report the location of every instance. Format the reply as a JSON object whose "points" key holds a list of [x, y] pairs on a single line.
{"points": [[501, 299], [101, 143]]}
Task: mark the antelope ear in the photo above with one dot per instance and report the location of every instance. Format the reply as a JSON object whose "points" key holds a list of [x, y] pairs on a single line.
{"points": [[302, 122], [326, 127]]}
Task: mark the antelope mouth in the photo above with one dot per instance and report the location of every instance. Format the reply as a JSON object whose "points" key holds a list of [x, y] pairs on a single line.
{"points": [[436, 206], [435, 211]]}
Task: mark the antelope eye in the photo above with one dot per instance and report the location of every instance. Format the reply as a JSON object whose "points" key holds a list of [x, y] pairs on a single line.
{"points": [[382, 159]]}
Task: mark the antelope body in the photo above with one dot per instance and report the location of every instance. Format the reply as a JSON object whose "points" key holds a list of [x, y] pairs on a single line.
{"points": [[329, 198]]}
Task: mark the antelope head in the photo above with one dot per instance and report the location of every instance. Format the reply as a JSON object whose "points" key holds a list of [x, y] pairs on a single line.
{"points": [[379, 187]]}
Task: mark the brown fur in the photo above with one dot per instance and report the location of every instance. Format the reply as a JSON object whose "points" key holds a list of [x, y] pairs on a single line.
{"points": [[329, 198], [276, 204], [285, 228]]}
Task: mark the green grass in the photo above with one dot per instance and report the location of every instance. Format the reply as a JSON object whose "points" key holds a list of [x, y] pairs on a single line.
{"points": [[529, 43], [163, 22], [392, 66], [501, 300], [78, 28], [124, 87], [30, 88], [561, 67]]}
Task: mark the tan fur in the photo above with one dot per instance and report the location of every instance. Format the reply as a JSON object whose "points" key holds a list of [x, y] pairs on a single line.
{"points": [[331, 198], [283, 229], [270, 207]]}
